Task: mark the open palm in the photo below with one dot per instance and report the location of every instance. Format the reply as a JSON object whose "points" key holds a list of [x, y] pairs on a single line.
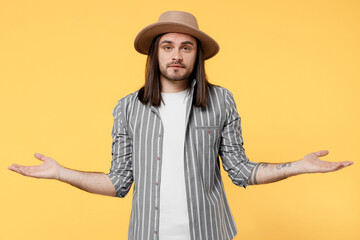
{"points": [[311, 163], [48, 169]]}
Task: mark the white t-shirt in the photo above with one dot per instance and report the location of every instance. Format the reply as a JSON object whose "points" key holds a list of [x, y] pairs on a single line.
{"points": [[174, 219]]}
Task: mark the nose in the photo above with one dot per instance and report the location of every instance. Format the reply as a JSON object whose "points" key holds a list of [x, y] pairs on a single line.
{"points": [[177, 57]]}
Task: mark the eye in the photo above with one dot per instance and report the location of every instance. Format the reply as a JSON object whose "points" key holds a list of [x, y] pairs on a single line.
{"points": [[167, 47], [187, 49]]}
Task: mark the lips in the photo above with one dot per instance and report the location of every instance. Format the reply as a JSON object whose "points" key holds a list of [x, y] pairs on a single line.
{"points": [[176, 66]]}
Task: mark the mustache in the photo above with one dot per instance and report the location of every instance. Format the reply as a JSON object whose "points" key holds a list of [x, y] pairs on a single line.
{"points": [[176, 63]]}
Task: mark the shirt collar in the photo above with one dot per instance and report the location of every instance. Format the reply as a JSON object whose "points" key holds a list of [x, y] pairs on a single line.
{"points": [[193, 82]]}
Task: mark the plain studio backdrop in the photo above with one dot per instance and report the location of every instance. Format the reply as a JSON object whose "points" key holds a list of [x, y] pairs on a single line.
{"points": [[293, 67]]}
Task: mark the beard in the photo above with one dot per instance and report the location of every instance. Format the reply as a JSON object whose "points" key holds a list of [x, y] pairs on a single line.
{"points": [[175, 74]]}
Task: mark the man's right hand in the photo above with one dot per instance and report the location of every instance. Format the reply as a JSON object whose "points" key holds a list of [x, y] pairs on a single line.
{"points": [[48, 169], [94, 182]]}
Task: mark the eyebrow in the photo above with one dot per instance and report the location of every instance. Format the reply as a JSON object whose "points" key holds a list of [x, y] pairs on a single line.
{"points": [[185, 42]]}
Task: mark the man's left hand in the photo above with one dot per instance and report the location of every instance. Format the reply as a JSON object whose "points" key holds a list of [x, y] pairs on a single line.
{"points": [[312, 164]]}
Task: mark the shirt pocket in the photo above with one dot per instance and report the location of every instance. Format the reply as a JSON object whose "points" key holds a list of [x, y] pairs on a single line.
{"points": [[209, 134]]}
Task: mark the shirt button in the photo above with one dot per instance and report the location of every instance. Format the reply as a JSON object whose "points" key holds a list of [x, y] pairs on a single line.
{"points": [[156, 183], [156, 232], [156, 208], [158, 158], [159, 135], [209, 131]]}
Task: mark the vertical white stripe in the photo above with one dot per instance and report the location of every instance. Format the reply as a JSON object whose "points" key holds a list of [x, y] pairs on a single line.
{"points": [[193, 160], [189, 185], [228, 219], [158, 174], [217, 177], [151, 203], [138, 174], [212, 161], [130, 119], [203, 172], [222, 209], [145, 170]]}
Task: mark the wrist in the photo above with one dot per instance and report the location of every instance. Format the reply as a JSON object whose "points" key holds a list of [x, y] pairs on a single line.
{"points": [[61, 174], [298, 168], [289, 169]]}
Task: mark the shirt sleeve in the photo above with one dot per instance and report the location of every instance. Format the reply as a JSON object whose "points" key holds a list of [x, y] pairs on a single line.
{"points": [[121, 171], [231, 151]]}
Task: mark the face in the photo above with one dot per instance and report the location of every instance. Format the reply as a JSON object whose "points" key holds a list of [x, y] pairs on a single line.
{"points": [[177, 55]]}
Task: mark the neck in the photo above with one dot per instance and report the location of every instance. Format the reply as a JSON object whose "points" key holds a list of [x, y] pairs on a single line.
{"points": [[171, 86]]}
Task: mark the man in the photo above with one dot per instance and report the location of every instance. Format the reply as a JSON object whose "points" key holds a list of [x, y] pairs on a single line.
{"points": [[167, 139]]}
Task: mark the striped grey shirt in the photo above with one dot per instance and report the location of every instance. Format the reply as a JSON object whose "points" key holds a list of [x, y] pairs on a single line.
{"points": [[211, 132]]}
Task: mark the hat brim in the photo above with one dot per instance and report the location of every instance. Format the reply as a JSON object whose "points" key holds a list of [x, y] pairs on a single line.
{"points": [[145, 37]]}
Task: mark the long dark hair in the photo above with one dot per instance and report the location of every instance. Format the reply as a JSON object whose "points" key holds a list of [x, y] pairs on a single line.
{"points": [[151, 91]]}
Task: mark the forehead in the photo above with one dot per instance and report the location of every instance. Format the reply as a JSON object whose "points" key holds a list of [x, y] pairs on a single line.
{"points": [[177, 37]]}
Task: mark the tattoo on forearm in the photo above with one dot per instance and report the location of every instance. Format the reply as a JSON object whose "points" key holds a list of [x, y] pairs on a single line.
{"points": [[252, 180], [280, 166]]}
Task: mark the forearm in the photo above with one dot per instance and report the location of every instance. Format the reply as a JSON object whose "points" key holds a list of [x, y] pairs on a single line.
{"points": [[93, 182], [270, 172]]}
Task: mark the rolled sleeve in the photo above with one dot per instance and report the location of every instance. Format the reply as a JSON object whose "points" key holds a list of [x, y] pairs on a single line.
{"points": [[121, 171], [231, 151]]}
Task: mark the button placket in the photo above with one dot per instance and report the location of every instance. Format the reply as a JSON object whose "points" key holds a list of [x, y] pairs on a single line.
{"points": [[158, 158]]}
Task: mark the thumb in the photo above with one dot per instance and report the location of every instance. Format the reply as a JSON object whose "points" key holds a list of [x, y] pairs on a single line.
{"points": [[40, 156], [321, 153]]}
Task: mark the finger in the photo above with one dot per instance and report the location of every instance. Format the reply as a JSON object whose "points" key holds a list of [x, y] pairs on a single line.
{"points": [[341, 165], [12, 168], [28, 171], [17, 168], [23, 167], [321, 153], [330, 166], [346, 164], [335, 165], [41, 157]]}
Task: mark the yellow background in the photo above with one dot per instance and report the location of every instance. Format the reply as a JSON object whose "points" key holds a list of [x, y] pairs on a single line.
{"points": [[293, 67]]}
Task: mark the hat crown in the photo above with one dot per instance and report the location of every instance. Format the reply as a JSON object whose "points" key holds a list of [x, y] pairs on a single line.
{"points": [[179, 17], [175, 22]]}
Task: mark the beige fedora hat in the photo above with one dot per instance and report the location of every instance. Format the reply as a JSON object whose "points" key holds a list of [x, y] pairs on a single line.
{"points": [[175, 21]]}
